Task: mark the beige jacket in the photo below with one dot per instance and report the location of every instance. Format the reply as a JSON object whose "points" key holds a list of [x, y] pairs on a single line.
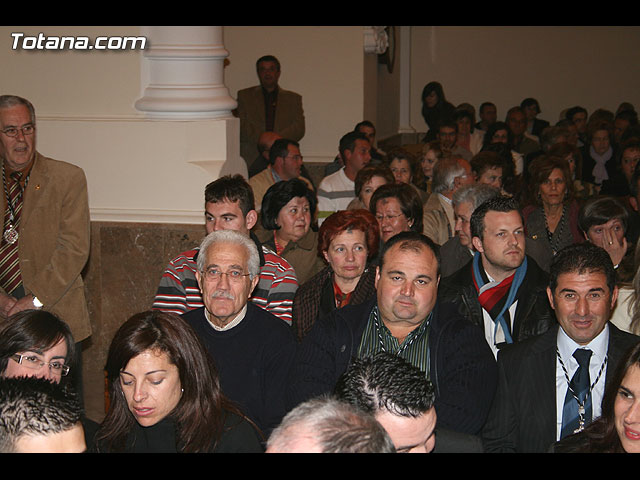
{"points": [[55, 239]]}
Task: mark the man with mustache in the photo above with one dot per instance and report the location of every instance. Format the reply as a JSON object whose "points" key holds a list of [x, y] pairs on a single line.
{"points": [[252, 348], [229, 204], [551, 385], [403, 318], [502, 290]]}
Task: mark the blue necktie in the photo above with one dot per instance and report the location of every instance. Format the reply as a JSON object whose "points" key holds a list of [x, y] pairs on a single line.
{"points": [[580, 388]]}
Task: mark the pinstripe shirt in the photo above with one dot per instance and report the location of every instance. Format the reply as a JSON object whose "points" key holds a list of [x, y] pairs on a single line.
{"points": [[414, 348]]}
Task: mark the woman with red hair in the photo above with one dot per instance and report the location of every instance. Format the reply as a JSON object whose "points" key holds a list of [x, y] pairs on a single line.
{"points": [[348, 241]]}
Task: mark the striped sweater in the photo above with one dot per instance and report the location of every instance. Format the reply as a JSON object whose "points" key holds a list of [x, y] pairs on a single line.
{"points": [[178, 291], [335, 192]]}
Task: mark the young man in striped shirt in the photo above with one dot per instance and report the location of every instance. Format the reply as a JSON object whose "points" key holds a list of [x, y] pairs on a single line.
{"points": [[229, 205]]}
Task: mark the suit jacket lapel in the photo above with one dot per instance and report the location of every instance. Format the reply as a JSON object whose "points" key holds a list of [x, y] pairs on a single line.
{"points": [[543, 382]]}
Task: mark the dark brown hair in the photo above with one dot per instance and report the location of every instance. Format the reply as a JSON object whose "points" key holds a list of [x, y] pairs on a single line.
{"points": [[33, 330], [540, 170], [408, 198], [200, 413]]}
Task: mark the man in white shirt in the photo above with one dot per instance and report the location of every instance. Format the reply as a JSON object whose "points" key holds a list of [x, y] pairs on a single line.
{"points": [[502, 289], [336, 191], [539, 398]]}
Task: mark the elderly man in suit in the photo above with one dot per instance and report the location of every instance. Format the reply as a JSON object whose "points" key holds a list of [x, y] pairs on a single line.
{"points": [[45, 241], [551, 385], [268, 108]]}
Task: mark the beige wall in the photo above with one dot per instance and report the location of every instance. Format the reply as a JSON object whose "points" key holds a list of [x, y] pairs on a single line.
{"points": [[72, 83], [559, 66]]}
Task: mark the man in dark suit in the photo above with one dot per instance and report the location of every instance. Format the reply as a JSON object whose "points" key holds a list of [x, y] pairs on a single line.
{"points": [[405, 319], [401, 399], [552, 385], [268, 108]]}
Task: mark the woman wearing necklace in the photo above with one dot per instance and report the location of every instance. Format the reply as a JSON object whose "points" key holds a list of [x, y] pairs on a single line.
{"points": [[552, 212], [348, 240]]}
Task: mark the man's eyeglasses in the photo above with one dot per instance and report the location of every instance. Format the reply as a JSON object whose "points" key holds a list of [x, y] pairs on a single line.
{"points": [[35, 363], [13, 131], [215, 275]]}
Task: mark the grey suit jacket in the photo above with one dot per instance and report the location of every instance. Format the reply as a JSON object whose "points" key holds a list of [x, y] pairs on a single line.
{"points": [[289, 119], [523, 415]]}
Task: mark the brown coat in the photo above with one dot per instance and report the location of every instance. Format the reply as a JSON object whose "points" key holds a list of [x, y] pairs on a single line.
{"points": [[289, 120], [54, 240], [302, 255]]}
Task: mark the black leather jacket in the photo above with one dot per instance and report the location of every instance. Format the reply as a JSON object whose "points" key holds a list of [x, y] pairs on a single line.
{"points": [[534, 315]]}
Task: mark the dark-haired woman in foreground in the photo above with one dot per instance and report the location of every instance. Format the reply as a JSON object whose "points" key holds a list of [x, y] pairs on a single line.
{"points": [[165, 393]]}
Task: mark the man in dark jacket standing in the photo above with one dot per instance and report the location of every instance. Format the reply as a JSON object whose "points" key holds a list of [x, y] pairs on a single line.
{"points": [[404, 319], [502, 290]]}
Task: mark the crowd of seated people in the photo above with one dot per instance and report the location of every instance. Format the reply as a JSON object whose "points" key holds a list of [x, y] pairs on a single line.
{"points": [[484, 258]]}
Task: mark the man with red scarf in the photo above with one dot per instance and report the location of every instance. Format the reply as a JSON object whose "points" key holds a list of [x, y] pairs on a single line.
{"points": [[502, 290]]}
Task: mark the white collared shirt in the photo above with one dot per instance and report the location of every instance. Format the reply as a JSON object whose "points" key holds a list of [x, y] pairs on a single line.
{"points": [[599, 346], [238, 318]]}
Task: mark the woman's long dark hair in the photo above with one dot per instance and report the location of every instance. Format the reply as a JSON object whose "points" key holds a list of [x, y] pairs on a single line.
{"points": [[200, 414], [442, 110], [540, 169]]}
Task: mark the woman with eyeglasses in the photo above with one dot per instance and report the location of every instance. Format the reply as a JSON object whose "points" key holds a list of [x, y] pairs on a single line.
{"points": [[36, 343], [397, 208]]}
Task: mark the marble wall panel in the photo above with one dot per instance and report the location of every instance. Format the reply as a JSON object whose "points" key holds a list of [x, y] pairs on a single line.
{"points": [[121, 278]]}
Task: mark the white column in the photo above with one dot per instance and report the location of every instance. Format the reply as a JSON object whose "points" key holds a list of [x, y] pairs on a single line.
{"points": [[183, 73]]}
